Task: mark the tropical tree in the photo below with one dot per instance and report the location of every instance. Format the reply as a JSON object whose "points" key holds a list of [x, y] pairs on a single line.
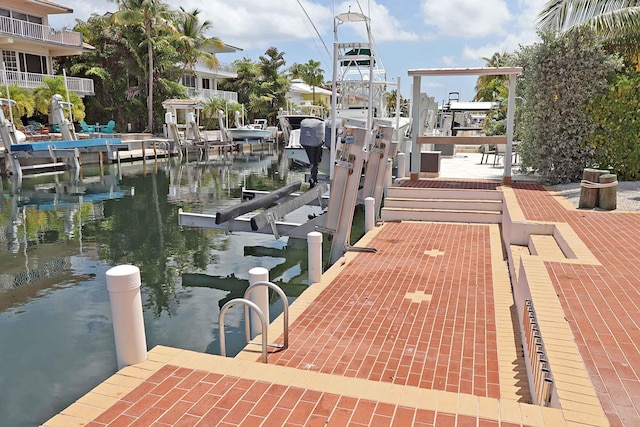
{"points": [[52, 86], [193, 44], [273, 85], [489, 88], [296, 70], [152, 17], [24, 102], [313, 75], [618, 22]]}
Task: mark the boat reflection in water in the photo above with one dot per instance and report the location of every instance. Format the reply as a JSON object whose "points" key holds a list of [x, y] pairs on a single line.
{"points": [[58, 237]]}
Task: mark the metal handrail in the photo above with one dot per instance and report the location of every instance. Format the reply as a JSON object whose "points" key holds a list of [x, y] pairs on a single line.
{"points": [[260, 314], [285, 310]]}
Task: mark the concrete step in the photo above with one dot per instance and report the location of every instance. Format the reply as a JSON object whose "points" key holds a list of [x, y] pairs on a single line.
{"points": [[441, 215], [448, 204], [442, 193]]}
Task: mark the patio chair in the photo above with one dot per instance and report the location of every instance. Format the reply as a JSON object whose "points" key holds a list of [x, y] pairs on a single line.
{"points": [[501, 150], [85, 128], [486, 152], [110, 127]]}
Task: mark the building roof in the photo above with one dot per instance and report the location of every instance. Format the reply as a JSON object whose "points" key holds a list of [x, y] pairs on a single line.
{"points": [[298, 86], [53, 7]]}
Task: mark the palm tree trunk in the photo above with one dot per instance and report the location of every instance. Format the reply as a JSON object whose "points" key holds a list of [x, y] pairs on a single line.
{"points": [[150, 94]]}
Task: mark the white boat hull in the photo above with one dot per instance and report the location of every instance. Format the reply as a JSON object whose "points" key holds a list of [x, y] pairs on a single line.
{"points": [[249, 134]]}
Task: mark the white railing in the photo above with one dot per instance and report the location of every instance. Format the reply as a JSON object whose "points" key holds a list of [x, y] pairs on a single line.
{"points": [[30, 30], [205, 94], [32, 81], [222, 70]]}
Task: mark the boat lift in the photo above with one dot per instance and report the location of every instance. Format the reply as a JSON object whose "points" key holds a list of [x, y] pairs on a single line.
{"points": [[69, 148]]}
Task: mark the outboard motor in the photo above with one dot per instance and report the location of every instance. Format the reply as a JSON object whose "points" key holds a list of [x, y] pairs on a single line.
{"points": [[312, 138]]}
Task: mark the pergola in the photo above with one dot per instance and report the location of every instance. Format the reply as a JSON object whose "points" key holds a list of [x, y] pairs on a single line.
{"points": [[416, 139]]}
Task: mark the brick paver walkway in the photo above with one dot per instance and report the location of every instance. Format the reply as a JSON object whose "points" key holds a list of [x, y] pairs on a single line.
{"points": [[423, 332], [601, 303]]}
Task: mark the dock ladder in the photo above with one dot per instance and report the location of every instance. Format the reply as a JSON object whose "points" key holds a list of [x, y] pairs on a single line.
{"points": [[250, 304]]}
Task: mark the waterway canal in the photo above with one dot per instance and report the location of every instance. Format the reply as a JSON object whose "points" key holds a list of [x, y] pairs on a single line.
{"points": [[59, 236]]}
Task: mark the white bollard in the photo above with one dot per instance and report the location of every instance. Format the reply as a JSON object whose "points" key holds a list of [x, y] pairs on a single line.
{"points": [[260, 297], [401, 165], [123, 283], [369, 214], [314, 242]]}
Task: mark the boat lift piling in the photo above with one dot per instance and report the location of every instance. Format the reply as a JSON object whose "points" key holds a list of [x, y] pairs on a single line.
{"points": [[381, 149]]}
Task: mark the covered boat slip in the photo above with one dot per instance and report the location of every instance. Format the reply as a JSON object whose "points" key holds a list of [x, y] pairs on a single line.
{"points": [[418, 140]]}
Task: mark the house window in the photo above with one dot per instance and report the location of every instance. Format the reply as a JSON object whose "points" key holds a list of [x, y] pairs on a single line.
{"points": [[189, 80], [206, 84], [10, 60], [33, 63]]}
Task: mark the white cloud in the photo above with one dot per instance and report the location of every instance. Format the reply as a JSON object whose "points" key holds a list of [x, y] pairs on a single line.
{"points": [[523, 34], [466, 18], [449, 61], [387, 27]]}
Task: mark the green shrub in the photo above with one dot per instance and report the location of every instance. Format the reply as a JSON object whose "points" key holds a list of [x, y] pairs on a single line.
{"points": [[616, 139], [560, 76]]}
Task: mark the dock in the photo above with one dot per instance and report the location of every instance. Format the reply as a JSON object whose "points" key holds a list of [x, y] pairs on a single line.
{"points": [[426, 331]]}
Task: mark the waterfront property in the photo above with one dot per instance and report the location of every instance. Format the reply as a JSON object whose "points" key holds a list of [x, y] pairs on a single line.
{"points": [[432, 329], [29, 45]]}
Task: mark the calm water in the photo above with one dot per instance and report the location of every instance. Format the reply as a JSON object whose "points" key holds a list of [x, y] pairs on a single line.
{"points": [[59, 237]]}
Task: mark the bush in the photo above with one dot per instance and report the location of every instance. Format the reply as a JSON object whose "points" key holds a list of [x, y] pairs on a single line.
{"points": [[560, 76], [616, 139]]}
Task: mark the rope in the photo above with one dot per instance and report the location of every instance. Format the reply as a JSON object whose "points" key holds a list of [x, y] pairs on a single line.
{"points": [[588, 184]]}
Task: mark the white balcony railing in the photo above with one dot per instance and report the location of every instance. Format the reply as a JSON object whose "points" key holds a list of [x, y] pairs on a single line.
{"points": [[222, 70], [32, 81], [205, 94], [30, 30]]}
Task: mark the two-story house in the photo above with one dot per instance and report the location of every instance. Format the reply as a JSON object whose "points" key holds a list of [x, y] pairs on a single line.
{"points": [[28, 44], [202, 82]]}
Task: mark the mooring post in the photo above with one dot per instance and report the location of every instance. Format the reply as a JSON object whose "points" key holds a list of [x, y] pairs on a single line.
{"points": [[369, 214], [123, 283], [314, 242], [260, 297], [402, 158]]}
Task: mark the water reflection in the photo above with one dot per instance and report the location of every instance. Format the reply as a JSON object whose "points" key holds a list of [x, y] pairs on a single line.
{"points": [[58, 236]]}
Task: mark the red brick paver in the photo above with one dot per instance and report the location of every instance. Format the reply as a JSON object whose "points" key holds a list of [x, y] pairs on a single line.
{"points": [[365, 326], [601, 303]]}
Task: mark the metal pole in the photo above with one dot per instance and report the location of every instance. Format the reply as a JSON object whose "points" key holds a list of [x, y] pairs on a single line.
{"points": [[334, 104], [510, 118], [66, 88], [6, 84], [415, 127]]}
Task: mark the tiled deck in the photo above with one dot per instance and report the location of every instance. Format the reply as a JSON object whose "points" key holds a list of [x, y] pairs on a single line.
{"points": [[420, 333]]}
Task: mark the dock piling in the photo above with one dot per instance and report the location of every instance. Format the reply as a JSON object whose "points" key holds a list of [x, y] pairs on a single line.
{"points": [[123, 283]]}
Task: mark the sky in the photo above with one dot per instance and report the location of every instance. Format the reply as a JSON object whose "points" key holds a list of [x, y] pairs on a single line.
{"points": [[408, 34]]}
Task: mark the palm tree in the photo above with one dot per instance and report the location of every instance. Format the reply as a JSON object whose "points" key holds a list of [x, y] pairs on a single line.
{"points": [[617, 21], [55, 85], [489, 88], [153, 16], [296, 71], [192, 41], [313, 75], [25, 104]]}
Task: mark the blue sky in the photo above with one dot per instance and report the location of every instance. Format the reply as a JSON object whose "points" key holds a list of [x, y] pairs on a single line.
{"points": [[408, 33]]}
